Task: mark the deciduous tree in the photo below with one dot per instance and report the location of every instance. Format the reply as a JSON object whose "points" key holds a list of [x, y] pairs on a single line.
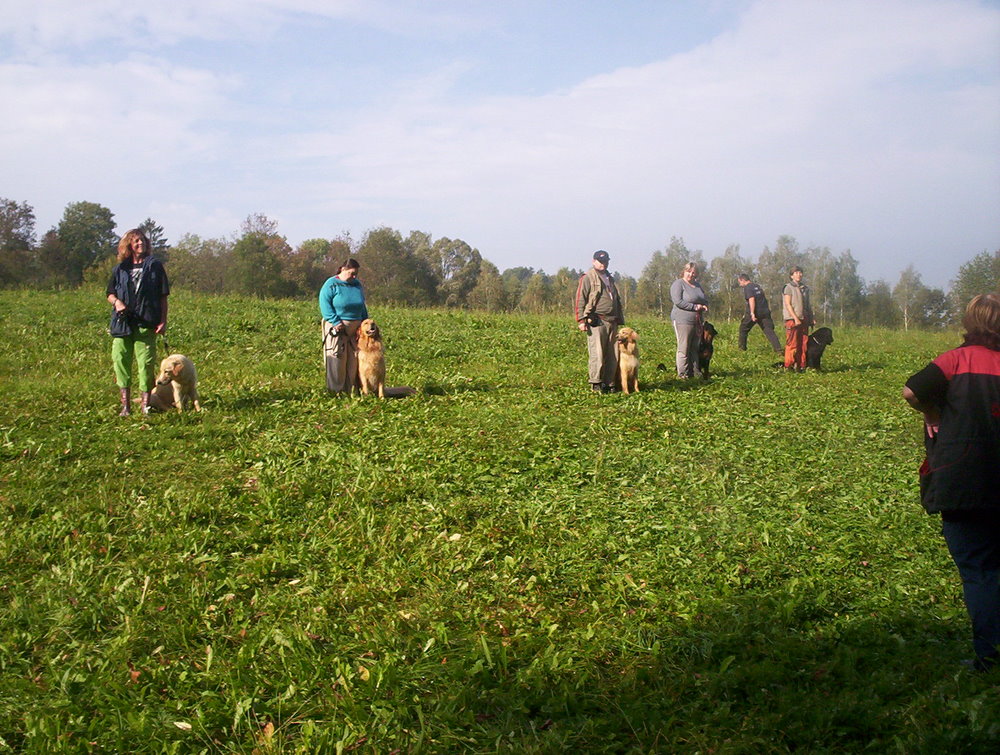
{"points": [[458, 266], [200, 265], [393, 273], [980, 275], [653, 290], [488, 294], [256, 271], [17, 240], [907, 294], [726, 295], [87, 236], [537, 294], [877, 308]]}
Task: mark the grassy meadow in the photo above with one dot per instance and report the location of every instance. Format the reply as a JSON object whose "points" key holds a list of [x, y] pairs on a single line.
{"points": [[503, 562]]}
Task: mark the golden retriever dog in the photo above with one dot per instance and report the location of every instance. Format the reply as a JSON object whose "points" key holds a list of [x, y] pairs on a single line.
{"points": [[176, 385], [627, 351], [371, 359]]}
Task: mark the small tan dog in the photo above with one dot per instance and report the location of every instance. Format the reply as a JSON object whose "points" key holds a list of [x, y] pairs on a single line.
{"points": [[176, 385], [627, 352], [371, 359]]}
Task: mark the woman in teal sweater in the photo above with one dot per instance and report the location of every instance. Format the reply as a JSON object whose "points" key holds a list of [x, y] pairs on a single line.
{"points": [[342, 305]]}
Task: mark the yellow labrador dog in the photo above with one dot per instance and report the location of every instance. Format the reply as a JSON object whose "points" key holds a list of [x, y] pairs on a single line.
{"points": [[628, 359], [371, 359], [176, 385]]}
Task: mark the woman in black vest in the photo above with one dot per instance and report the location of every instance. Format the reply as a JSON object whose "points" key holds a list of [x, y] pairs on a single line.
{"points": [[137, 292]]}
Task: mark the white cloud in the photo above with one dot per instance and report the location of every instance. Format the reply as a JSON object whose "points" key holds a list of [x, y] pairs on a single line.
{"points": [[808, 119], [870, 126], [39, 26]]}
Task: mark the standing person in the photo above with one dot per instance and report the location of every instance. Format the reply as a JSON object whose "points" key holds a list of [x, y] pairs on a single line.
{"points": [[797, 311], [138, 292], [342, 305], [690, 306], [758, 313], [959, 396], [598, 312]]}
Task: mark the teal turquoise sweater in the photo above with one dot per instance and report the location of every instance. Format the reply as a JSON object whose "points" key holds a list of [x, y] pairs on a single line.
{"points": [[340, 300]]}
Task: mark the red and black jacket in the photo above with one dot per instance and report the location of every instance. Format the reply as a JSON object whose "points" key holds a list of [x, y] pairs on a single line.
{"points": [[963, 460]]}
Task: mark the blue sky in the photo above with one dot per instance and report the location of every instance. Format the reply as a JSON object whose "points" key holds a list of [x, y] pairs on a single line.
{"points": [[537, 132]]}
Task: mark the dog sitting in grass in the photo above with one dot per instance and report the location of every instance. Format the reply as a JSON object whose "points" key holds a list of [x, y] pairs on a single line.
{"points": [[627, 351], [816, 345], [706, 349], [371, 359], [176, 385]]}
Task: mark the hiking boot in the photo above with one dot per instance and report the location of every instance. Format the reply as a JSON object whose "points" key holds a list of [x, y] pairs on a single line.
{"points": [[126, 396]]}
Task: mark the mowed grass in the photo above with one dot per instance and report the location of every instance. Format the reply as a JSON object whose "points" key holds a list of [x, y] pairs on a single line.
{"points": [[503, 562]]}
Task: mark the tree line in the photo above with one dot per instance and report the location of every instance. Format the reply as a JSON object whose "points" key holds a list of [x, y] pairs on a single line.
{"points": [[418, 270]]}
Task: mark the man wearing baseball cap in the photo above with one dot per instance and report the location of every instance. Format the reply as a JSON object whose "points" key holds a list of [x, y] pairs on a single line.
{"points": [[598, 312]]}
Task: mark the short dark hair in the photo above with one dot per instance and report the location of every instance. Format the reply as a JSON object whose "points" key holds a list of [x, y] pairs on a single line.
{"points": [[743, 277], [349, 264]]}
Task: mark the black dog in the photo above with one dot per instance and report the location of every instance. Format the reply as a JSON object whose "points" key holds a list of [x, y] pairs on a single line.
{"points": [[816, 345], [706, 349]]}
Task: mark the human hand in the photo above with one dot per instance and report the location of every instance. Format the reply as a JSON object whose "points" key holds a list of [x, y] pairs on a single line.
{"points": [[161, 328], [582, 326]]}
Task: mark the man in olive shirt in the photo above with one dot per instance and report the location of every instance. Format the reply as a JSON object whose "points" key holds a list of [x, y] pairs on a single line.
{"points": [[598, 312]]}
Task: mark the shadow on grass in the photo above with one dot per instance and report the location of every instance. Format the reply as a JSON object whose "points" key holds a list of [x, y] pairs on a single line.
{"points": [[258, 399], [749, 677], [864, 366], [476, 386]]}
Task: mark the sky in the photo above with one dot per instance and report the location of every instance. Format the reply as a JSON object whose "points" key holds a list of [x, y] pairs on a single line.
{"points": [[537, 132]]}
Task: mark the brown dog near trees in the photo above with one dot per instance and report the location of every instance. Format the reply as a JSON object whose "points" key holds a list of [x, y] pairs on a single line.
{"points": [[176, 385], [371, 359], [627, 351]]}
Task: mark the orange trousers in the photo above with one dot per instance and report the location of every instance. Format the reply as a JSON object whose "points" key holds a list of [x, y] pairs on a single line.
{"points": [[796, 337]]}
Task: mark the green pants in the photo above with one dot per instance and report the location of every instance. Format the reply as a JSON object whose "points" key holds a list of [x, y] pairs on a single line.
{"points": [[142, 346]]}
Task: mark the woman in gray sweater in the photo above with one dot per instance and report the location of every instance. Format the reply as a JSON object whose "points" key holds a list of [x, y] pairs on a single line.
{"points": [[690, 306]]}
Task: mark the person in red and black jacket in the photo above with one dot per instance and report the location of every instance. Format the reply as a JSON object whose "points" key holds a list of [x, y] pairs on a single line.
{"points": [[959, 396]]}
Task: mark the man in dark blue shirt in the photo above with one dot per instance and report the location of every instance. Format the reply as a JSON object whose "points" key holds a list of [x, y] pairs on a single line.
{"points": [[758, 313]]}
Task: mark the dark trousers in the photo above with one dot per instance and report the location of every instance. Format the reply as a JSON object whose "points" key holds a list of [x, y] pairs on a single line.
{"points": [[974, 543], [766, 324]]}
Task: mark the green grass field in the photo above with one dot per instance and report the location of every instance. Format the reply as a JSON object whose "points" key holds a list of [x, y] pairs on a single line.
{"points": [[503, 562]]}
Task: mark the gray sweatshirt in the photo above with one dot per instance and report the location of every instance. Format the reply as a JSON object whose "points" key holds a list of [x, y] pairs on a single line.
{"points": [[685, 296]]}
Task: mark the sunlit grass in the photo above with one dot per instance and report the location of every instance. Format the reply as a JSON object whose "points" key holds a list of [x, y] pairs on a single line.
{"points": [[502, 562]]}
